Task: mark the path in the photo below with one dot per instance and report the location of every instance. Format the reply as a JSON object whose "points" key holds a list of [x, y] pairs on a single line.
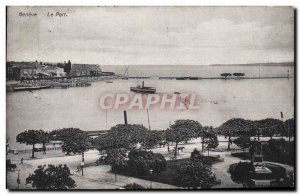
{"points": [[221, 171]]}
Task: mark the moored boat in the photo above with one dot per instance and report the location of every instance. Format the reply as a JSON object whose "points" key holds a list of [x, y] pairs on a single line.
{"points": [[182, 78], [143, 89], [30, 88]]}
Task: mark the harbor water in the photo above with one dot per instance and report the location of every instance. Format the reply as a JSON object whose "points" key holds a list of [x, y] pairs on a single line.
{"points": [[51, 109]]}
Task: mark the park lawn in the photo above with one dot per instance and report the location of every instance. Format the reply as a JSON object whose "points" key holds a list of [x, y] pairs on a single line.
{"points": [[168, 176]]}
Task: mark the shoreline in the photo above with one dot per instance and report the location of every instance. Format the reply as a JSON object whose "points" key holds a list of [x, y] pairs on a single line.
{"points": [[55, 85]]}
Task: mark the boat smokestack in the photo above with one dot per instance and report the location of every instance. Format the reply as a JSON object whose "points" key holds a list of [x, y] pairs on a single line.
{"points": [[143, 84], [125, 117]]}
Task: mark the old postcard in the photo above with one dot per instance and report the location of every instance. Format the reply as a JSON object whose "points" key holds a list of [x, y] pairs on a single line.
{"points": [[150, 98]]}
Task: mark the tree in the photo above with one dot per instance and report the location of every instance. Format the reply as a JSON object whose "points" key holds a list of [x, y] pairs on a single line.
{"points": [[225, 75], [51, 178], [236, 127], [123, 136], [289, 127], [74, 140], [196, 155], [133, 186], [194, 174], [182, 130], [242, 172], [269, 127], [45, 138], [32, 137], [117, 141], [115, 158], [209, 138], [151, 139], [142, 161], [68, 67], [238, 74], [243, 142]]}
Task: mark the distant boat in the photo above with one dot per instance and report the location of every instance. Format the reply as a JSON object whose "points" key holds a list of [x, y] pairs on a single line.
{"points": [[194, 78], [125, 75], [109, 81], [176, 92], [30, 88], [182, 78], [143, 89]]}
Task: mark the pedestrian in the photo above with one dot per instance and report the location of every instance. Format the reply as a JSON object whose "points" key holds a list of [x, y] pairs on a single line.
{"points": [[22, 160]]}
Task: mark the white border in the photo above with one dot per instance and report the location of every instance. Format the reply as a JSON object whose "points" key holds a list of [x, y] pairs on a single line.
{"points": [[4, 3]]}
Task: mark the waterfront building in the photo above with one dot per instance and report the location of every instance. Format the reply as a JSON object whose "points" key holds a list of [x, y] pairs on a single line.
{"points": [[18, 70], [85, 70], [51, 70]]}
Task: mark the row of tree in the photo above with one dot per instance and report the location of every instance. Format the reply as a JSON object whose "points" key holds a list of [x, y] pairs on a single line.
{"points": [[127, 136], [124, 138], [244, 129], [74, 140], [237, 74]]}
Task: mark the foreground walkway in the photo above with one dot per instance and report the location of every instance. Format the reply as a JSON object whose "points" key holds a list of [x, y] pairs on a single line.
{"points": [[95, 177], [100, 177], [221, 171]]}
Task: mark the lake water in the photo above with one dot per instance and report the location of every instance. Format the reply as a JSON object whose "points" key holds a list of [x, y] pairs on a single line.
{"points": [[79, 107], [255, 70]]}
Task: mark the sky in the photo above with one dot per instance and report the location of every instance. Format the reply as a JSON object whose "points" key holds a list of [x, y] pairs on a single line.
{"points": [[151, 35]]}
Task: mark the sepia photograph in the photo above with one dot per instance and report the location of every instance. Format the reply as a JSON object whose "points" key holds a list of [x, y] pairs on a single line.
{"points": [[150, 98]]}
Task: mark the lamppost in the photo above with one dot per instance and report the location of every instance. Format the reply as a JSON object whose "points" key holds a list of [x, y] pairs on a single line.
{"points": [[18, 180], [150, 172], [82, 165], [82, 162]]}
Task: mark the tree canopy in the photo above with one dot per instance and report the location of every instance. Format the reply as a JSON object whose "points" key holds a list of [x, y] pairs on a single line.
{"points": [[209, 138], [74, 140], [133, 186], [183, 130], [289, 126], [236, 127], [121, 136], [238, 74], [116, 158], [269, 127], [243, 142], [143, 161], [195, 174], [51, 178], [151, 138], [32, 137], [117, 141], [226, 74]]}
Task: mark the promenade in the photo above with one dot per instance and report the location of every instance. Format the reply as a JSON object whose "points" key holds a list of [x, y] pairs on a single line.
{"points": [[100, 177]]}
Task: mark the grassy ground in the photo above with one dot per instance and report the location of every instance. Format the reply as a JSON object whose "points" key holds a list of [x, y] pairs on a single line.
{"points": [[168, 175]]}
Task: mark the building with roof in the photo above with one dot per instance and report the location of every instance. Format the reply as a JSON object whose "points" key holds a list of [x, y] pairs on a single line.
{"points": [[85, 70]]}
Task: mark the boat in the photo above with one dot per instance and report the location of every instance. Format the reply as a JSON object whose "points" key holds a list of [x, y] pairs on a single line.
{"points": [[125, 75], [182, 78], [30, 88], [109, 81], [194, 78], [143, 89]]}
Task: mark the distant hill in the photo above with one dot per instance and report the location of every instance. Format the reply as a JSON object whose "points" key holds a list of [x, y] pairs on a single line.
{"points": [[259, 64]]}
